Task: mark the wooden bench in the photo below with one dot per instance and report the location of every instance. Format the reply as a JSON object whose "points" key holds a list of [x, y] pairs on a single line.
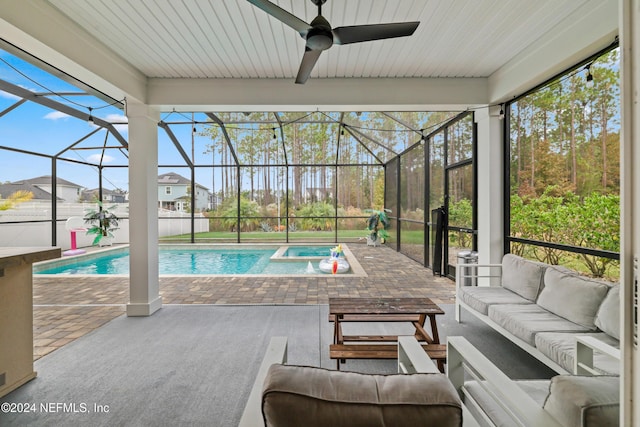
{"points": [[402, 318], [437, 352], [376, 318], [406, 318]]}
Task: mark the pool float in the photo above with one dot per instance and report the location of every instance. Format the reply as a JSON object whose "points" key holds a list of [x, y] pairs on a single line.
{"points": [[310, 269], [336, 252], [328, 264]]}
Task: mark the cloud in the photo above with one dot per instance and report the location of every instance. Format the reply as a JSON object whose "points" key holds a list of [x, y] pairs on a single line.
{"points": [[56, 115], [95, 158], [120, 122], [7, 95]]}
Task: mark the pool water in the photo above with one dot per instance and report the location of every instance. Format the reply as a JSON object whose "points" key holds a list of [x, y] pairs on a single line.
{"points": [[188, 261], [307, 251]]}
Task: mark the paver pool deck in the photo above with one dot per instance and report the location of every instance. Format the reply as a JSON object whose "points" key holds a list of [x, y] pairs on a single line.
{"points": [[68, 307]]}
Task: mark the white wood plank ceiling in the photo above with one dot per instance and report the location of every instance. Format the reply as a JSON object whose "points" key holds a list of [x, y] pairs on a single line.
{"points": [[233, 39]]}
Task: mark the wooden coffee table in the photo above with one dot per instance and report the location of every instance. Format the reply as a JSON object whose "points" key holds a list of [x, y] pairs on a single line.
{"points": [[411, 310]]}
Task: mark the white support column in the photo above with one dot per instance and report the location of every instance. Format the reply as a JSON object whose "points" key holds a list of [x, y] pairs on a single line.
{"points": [[489, 164], [629, 33], [144, 287]]}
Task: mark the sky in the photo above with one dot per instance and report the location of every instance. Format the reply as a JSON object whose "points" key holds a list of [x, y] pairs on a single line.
{"points": [[35, 128], [38, 129]]}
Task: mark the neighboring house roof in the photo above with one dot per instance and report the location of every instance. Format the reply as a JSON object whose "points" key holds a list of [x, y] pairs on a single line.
{"points": [[46, 180], [92, 194], [105, 191], [38, 193], [33, 185], [172, 178]]}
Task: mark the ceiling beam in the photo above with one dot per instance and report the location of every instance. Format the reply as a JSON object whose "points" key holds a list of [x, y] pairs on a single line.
{"points": [[227, 138], [365, 136], [362, 144], [338, 139], [348, 94], [284, 146], [63, 108], [40, 29], [88, 90], [402, 122], [12, 107], [593, 27], [176, 143], [70, 147]]}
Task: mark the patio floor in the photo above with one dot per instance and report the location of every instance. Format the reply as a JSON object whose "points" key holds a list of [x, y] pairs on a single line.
{"points": [[66, 308]]}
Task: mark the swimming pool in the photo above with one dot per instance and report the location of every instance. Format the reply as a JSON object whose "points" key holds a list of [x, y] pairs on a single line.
{"points": [[202, 260], [307, 251]]}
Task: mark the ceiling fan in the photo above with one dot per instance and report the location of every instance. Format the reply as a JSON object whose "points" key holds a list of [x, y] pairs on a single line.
{"points": [[320, 36]]}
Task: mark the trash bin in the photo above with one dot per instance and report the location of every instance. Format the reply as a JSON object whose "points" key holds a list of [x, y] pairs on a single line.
{"points": [[468, 257], [437, 235]]}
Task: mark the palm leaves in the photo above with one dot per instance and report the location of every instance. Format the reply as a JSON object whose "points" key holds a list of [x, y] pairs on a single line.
{"points": [[15, 198], [102, 222]]}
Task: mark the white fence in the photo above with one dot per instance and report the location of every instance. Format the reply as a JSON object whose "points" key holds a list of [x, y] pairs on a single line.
{"points": [[39, 233]]}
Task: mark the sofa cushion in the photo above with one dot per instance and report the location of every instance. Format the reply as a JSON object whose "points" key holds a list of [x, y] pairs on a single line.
{"points": [[608, 316], [300, 395], [574, 297], [577, 401], [526, 320], [561, 348], [536, 389], [522, 276], [481, 297]]}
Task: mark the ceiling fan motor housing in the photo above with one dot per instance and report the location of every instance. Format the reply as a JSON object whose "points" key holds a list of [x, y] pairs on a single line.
{"points": [[320, 36]]}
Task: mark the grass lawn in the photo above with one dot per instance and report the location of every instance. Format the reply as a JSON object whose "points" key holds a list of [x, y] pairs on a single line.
{"points": [[271, 235]]}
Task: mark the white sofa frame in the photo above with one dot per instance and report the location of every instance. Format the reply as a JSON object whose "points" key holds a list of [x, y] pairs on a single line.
{"points": [[276, 353], [463, 361], [463, 358], [487, 273], [585, 347], [412, 359]]}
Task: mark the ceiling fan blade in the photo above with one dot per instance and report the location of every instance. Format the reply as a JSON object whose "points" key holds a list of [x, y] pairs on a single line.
{"points": [[364, 33], [308, 62], [282, 15]]}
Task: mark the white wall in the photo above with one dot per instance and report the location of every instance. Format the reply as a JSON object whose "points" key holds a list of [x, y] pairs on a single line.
{"points": [[39, 234]]}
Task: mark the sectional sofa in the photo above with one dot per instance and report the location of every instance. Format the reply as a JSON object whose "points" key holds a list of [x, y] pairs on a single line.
{"points": [[495, 400], [289, 395], [473, 393], [544, 309]]}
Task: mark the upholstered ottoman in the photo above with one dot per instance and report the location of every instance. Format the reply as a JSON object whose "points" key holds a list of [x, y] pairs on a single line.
{"points": [[308, 396]]}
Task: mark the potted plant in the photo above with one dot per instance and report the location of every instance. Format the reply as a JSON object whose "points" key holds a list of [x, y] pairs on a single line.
{"points": [[377, 226], [103, 223]]}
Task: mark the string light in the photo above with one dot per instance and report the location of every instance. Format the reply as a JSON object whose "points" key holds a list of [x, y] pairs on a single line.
{"points": [[274, 134], [501, 113], [589, 75], [90, 119]]}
